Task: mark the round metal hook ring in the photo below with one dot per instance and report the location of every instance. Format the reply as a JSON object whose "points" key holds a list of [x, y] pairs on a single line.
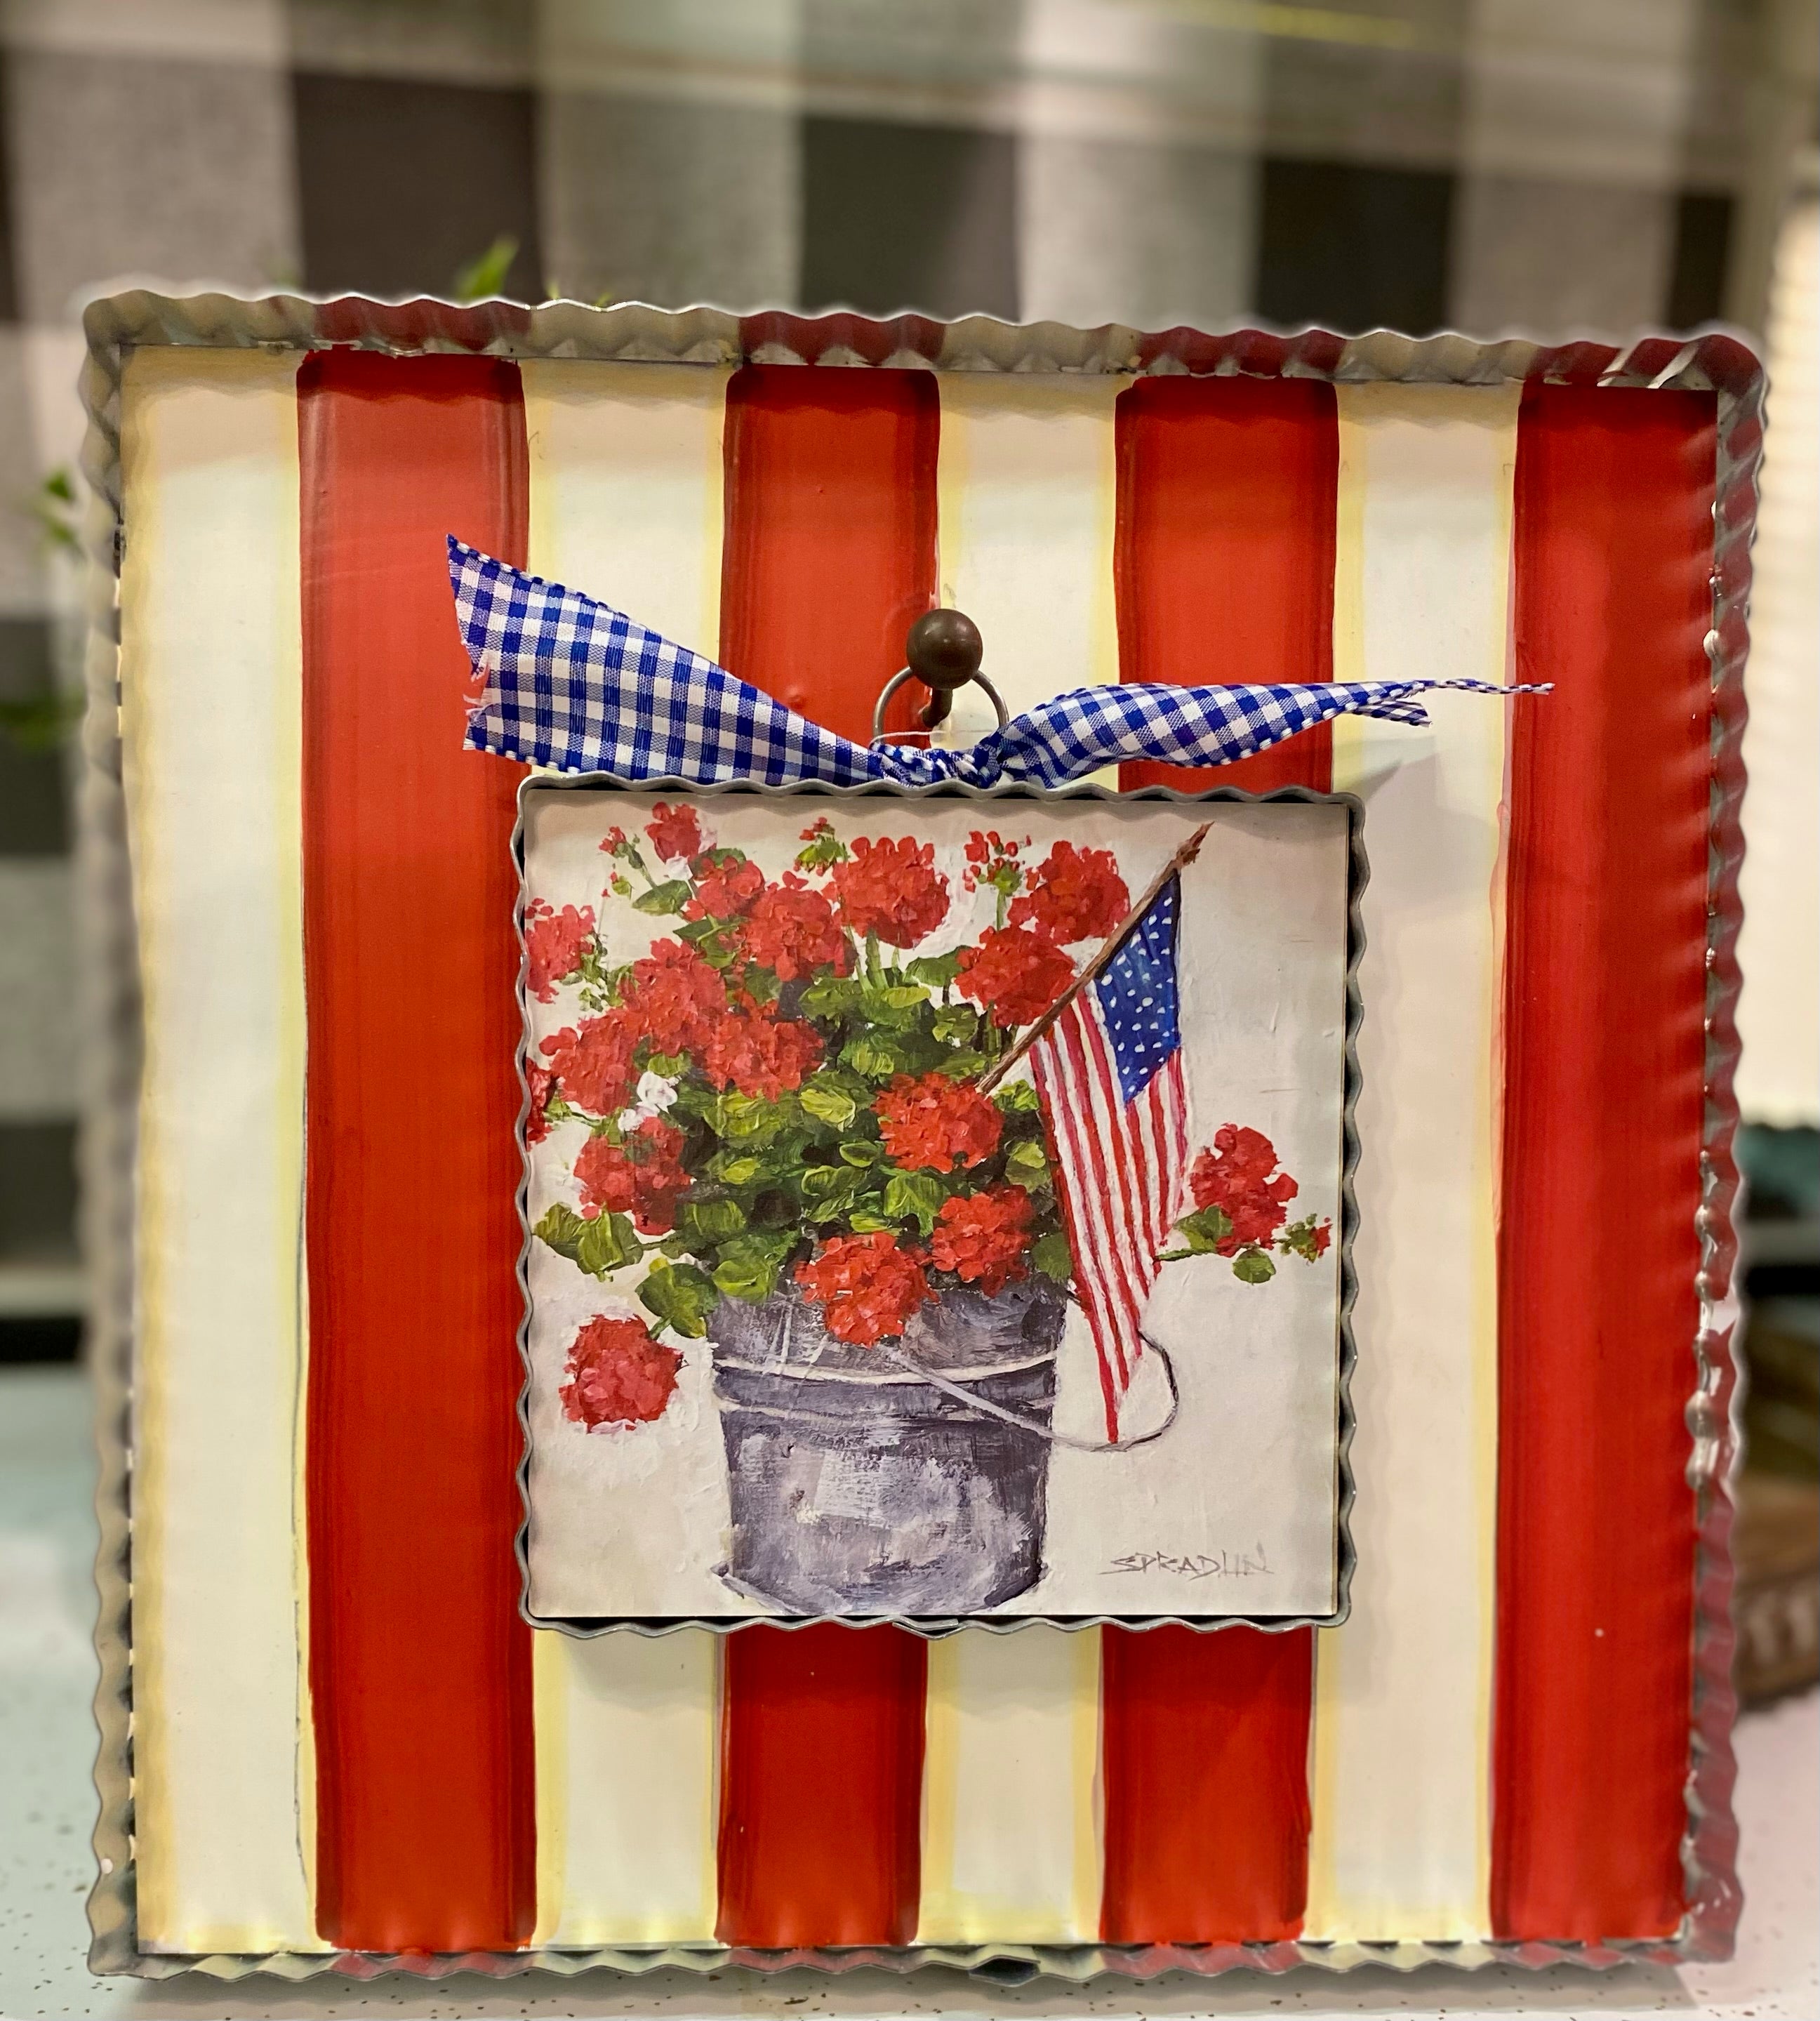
{"points": [[907, 674]]}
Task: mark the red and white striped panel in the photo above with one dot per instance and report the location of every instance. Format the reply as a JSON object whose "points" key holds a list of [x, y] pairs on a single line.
{"points": [[345, 1735]]}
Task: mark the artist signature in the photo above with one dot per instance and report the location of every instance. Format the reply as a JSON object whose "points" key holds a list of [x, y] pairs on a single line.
{"points": [[1195, 1564]]}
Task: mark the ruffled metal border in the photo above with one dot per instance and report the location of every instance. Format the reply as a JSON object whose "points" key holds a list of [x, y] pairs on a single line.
{"points": [[1713, 360]]}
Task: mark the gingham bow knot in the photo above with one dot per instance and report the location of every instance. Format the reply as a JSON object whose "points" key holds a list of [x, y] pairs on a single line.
{"points": [[573, 683]]}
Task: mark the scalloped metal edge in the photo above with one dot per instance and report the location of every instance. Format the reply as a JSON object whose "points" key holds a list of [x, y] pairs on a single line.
{"points": [[1714, 359], [933, 1627]]}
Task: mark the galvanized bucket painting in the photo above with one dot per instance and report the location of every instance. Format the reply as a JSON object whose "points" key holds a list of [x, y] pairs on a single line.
{"points": [[868, 1129]]}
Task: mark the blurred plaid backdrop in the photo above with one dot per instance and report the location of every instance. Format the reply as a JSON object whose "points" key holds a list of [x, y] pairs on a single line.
{"points": [[1417, 163]]}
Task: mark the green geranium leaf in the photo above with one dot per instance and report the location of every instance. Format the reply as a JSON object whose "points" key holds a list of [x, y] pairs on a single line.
{"points": [[1298, 1240], [938, 971], [561, 1229], [829, 1103], [705, 1223], [751, 1120], [1253, 1266], [1051, 1255], [820, 1182], [1204, 1231], [963, 1065], [748, 1266], [664, 899], [736, 1169], [954, 1020], [862, 1152], [894, 1004], [830, 996], [682, 1296], [880, 1056], [607, 1244], [915, 1196], [1025, 1165], [1017, 1098], [862, 1223]]}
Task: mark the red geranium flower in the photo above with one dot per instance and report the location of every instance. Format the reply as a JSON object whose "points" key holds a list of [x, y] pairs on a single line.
{"points": [[792, 931], [593, 1065], [1075, 895], [892, 889], [933, 1123], [676, 832], [542, 1084], [1015, 974], [981, 1237], [673, 996], [757, 1052], [725, 890], [1236, 1177], [555, 943], [617, 1374], [643, 1178], [868, 1286]]}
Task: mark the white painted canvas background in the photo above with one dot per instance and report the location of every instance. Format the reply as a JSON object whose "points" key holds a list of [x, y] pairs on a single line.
{"points": [[632, 1522]]}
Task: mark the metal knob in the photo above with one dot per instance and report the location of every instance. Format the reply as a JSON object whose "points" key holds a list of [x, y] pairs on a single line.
{"points": [[944, 651]]}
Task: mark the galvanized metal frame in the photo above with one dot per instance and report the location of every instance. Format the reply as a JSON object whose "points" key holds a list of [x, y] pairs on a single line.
{"points": [[1357, 873], [1714, 360]]}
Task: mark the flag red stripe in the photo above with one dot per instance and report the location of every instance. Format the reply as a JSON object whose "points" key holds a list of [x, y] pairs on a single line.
{"points": [[1224, 570], [1059, 1124], [828, 555], [1078, 1042], [419, 1667], [1223, 565], [1116, 1128], [1598, 1249], [1097, 1263]]}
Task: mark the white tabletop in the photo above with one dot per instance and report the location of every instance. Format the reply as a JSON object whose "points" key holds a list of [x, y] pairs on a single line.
{"points": [[47, 1808]]}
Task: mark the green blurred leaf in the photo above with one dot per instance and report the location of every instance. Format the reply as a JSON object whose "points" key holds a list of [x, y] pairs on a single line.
{"points": [[938, 971], [41, 722], [485, 275], [954, 1020], [830, 996]]}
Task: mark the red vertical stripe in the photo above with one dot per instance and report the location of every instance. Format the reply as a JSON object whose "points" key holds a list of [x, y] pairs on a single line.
{"points": [[1605, 1052], [1224, 570], [1206, 1808], [829, 556], [1224, 565], [822, 1786], [419, 1667]]}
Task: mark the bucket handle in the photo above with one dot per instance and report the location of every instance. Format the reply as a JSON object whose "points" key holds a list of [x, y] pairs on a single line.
{"points": [[976, 1402]]}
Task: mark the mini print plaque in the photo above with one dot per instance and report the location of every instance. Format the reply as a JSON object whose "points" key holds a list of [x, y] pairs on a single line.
{"points": [[933, 1206]]}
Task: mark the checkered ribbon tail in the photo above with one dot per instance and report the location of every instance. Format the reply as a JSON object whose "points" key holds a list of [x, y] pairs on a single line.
{"points": [[573, 683]]}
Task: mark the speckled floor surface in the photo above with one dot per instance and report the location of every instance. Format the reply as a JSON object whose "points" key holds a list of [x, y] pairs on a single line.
{"points": [[47, 1808]]}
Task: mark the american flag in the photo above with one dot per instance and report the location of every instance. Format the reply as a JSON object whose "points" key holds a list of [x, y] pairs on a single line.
{"points": [[1108, 1073]]}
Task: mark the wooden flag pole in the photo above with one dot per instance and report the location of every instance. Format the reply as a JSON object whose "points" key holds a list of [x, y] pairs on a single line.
{"points": [[1182, 857]]}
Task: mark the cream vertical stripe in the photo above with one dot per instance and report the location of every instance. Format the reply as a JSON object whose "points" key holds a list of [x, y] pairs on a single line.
{"points": [[211, 672], [1026, 495], [625, 489], [1010, 1850], [625, 504], [1401, 1831]]}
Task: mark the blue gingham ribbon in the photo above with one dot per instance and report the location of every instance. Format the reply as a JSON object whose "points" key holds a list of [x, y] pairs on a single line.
{"points": [[573, 683]]}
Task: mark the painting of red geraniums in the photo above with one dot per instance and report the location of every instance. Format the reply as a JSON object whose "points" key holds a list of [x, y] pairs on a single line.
{"points": [[884, 1182]]}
